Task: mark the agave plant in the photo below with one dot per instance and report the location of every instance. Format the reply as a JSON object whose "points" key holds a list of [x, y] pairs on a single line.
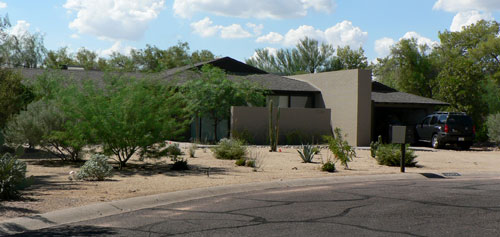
{"points": [[307, 153]]}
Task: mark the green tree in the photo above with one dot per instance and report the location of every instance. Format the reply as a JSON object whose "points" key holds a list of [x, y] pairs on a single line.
{"points": [[56, 59], [212, 94], [308, 56], [463, 69], [14, 96], [348, 58], [26, 50], [86, 58], [125, 115], [409, 68]]}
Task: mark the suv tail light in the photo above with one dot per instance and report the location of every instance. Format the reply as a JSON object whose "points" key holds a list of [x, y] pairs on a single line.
{"points": [[474, 129], [446, 128]]}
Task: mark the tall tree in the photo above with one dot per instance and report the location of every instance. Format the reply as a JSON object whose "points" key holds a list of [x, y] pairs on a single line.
{"points": [[212, 95], [463, 69], [56, 59], [14, 96], [26, 50], [308, 56], [408, 68], [86, 58]]}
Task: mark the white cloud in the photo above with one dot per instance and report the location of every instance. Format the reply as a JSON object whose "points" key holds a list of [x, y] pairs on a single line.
{"points": [[468, 18], [75, 36], [257, 29], [20, 28], [233, 31], [113, 19], [272, 51], [116, 47], [467, 5], [206, 28], [341, 34], [272, 37], [276, 9], [383, 46], [421, 40], [3, 5]]}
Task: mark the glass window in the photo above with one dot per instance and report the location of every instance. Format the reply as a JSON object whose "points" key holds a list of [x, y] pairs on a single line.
{"points": [[301, 101], [434, 120], [442, 119], [426, 120]]}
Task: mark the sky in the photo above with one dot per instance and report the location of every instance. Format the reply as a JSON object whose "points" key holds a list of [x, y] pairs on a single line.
{"points": [[235, 28]]}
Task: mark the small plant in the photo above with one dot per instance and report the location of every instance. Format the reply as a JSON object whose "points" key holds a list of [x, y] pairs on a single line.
{"points": [[95, 169], [243, 135], [12, 177], [342, 151], [390, 155], [329, 166], [173, 151], [307, 153], [229, 149], [255, 160], [374, 146], [192, 150], [250, 163], [180, 164], [316, 150], [241, 161]]}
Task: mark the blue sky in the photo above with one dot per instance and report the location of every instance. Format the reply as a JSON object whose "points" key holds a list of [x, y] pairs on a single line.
{"points": [[236, 28]]}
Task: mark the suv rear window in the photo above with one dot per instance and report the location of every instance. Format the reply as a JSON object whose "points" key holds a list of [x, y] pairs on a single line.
{"points": [[457, 119]]}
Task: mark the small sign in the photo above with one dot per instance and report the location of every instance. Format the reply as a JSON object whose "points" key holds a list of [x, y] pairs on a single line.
{"points": [[398, 134]]}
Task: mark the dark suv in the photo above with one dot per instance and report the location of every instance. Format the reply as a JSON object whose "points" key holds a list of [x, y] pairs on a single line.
{"points": [[441, 128]]}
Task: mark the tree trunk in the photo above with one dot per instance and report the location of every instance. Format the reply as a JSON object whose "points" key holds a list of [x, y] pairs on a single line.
{"points": [[215, 130]]}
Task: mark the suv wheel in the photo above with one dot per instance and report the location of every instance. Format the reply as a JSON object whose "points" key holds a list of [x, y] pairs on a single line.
{"points": [[435, 142]]}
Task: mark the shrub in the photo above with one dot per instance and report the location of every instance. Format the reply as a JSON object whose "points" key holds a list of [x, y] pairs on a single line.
{"points": [[374, 146], [173, 151], [229, 149], [493, 123], [97, 168], [251, 163], [243, 135], [192, 150], [43, 124], [329, 166], [390, 155], [241, 161], [180, 164], [12, 177], [340, 148], [307, 153]]}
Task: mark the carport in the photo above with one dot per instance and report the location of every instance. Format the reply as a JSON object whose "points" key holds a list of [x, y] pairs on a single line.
{"points": [[391, 107]]}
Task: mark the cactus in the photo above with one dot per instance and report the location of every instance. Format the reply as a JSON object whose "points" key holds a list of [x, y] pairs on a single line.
{"points": [[273, 128], [374, 146]]}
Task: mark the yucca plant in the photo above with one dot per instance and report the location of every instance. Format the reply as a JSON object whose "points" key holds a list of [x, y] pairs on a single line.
{"points": [[307, 153]]}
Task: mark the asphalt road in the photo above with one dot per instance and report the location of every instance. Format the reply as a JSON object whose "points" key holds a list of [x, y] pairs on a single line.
{"points": [[424, 207]]}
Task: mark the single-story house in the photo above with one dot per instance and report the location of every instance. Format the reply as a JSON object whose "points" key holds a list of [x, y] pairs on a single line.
{"points": [[311, 105]]}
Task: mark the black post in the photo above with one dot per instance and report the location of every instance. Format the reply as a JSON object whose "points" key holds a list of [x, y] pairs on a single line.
{"points": [[403, 151]]}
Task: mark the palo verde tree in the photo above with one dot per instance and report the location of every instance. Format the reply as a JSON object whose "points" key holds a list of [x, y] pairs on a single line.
{"points": [[212, 94], [125, 115]]}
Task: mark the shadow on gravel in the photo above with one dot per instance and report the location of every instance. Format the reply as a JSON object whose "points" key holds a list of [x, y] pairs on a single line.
{"points": [[79, 230], [165, 169]]}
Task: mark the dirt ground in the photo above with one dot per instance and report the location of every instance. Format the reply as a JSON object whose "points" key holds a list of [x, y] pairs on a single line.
{"points": [[52, 190]]}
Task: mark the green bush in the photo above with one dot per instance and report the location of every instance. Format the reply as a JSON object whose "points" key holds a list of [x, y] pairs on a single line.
{"points": [[493, 123], [251, 163], [307, 153], [340, 148], [12, 177], [97, 168], [390, 155], [173, 151], [229, 149], [180, 164], [43, 124], [329, 166], [240, 162]]}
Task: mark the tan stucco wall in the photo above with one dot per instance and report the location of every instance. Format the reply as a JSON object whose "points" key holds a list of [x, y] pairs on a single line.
{"points": [[255, 120], [348, 94]]}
